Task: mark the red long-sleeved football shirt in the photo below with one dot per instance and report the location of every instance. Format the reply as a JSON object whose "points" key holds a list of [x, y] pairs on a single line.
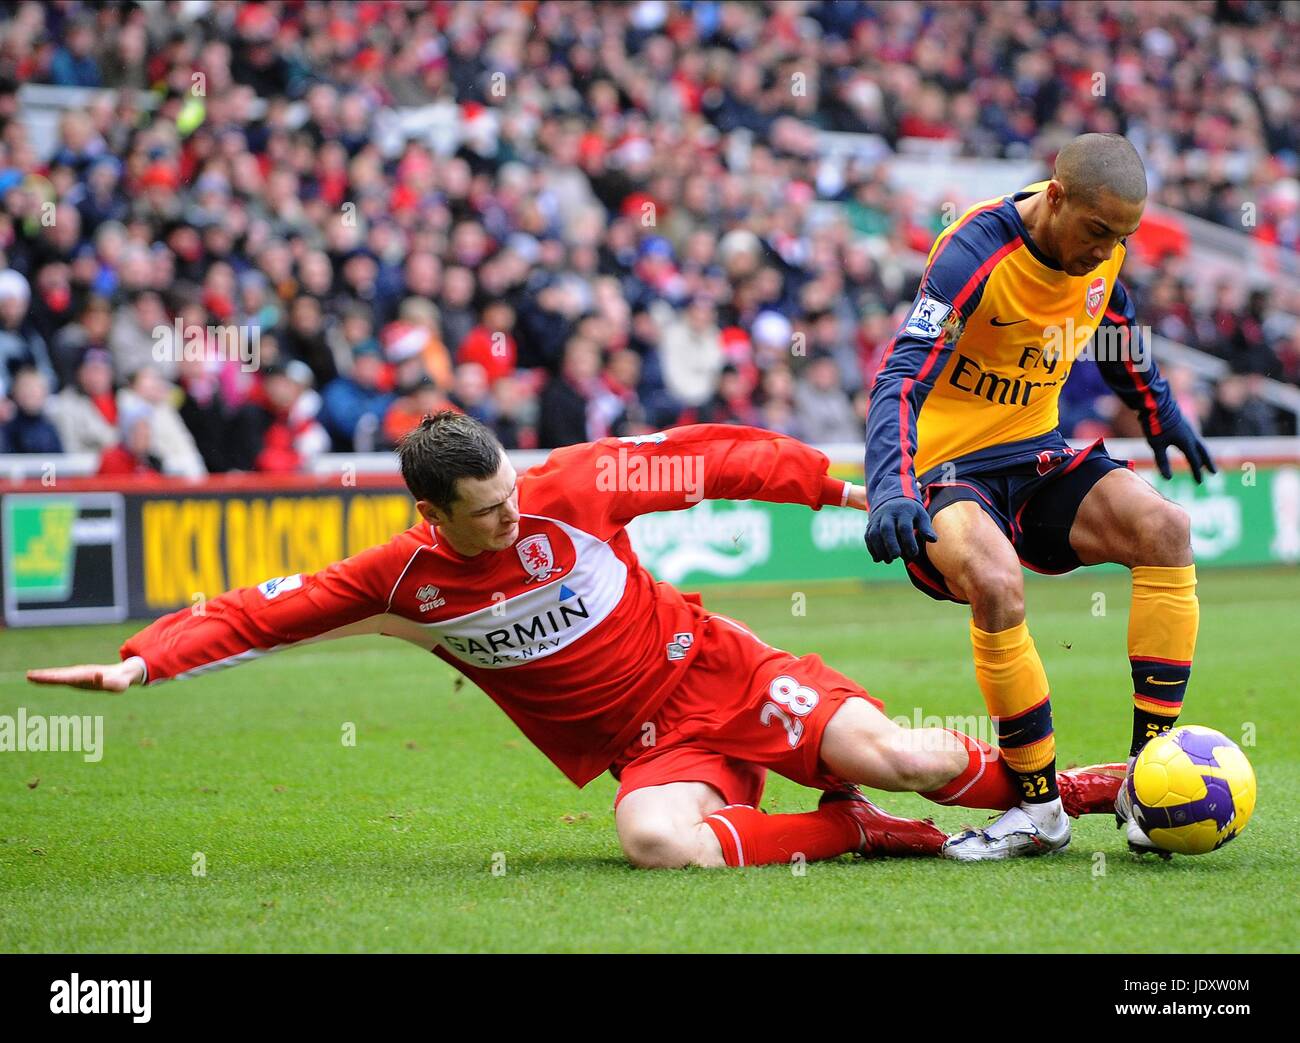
{"points": [[565, 630]]}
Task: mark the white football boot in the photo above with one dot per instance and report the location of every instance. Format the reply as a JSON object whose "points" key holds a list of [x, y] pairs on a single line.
{"points": [[1013, 835], [1138, 842]]}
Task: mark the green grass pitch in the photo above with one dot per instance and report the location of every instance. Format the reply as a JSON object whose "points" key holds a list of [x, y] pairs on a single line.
{"points": [[391, 844]]}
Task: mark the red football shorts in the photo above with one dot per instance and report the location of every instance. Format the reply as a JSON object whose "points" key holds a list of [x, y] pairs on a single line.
{"points": [[742, 707]]}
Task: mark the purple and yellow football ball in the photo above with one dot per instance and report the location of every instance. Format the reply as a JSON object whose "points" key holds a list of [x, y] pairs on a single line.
{"points": [[1192, 790]]}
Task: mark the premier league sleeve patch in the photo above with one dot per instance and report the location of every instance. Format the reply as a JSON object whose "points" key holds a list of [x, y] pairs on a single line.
{"points": [[928, 316]]}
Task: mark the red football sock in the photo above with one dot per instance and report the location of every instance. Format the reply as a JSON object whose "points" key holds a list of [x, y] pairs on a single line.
{"points": [[985, 782], [750, 838]]}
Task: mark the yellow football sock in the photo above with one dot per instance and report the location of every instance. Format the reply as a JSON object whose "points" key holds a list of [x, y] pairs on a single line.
{"points": [[1162, 623], [1014, 684]]}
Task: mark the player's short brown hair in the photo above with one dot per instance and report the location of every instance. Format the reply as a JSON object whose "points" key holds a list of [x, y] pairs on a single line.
{"points": [[1096, 163], [444, 448]]}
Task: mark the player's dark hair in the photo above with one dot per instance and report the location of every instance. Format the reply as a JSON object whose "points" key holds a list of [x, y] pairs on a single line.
{"points": [[445, 447], [1096, 163]]}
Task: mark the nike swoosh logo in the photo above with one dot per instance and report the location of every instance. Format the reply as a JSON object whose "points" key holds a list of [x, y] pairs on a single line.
{"points": [[1152, 680], [1015, 322]]}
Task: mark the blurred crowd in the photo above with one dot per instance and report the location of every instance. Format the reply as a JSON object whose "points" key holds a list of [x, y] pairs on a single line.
{"points": [[573, 219]]}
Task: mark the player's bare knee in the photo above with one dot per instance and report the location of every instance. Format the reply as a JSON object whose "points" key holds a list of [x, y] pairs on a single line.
{"points": [[996, 593], [1163, 537], [656, 844]]}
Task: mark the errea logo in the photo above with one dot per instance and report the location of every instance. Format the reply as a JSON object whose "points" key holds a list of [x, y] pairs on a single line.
{"points": [[427, 595]]}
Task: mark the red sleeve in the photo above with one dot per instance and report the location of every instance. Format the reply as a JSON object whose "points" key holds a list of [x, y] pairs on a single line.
{"points": [[243, 624], [603, 485]]}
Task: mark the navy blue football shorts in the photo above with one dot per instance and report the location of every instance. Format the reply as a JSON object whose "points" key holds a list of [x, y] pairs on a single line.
{"points": [[1033, 499]]}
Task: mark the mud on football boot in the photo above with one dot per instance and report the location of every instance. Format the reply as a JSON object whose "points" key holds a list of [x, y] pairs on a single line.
{"points": [[884, 834], [1012, 835]]}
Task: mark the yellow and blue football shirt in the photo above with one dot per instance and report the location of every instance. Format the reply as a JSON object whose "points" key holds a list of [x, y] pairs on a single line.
{"points": [[975, 373]]}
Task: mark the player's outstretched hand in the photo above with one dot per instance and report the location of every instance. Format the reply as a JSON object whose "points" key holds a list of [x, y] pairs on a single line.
{"points": [[1181, 436], [105, 677], [892, 528]]}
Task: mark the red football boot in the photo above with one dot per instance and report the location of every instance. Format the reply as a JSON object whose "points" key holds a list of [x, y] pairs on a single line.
{"points": [[885, 834], [1090, 790]]}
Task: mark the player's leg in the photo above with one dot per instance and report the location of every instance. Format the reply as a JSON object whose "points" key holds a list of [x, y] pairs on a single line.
{"points": [[844, 822], [979, 563], [662, 827], [672, 824], [748, 707], [810, 723], [1124, 520], [862, 745]]}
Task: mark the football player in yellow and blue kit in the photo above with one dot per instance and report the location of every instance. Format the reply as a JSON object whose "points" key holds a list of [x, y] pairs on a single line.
{"points": [[964, 452]]}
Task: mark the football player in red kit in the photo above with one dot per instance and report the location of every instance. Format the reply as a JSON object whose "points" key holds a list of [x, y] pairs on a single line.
{"points": [[528, 585]]}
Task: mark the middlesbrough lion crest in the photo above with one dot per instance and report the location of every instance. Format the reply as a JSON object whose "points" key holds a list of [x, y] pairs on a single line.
{"points": [[537, 557]]}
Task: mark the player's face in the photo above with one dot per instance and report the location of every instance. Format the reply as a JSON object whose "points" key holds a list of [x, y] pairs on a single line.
{"points": [[1087, 232], [486, 514]]}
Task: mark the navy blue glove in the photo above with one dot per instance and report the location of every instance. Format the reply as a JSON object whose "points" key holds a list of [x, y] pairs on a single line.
{"points": [[890, 528], [1181, 436]]}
